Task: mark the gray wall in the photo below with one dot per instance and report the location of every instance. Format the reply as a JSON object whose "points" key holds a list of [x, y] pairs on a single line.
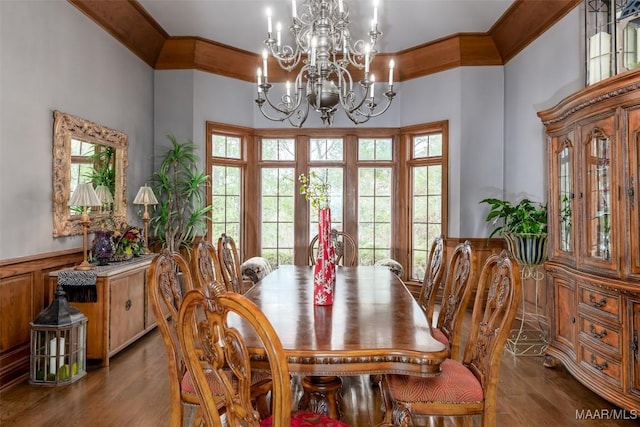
{"points": [[52, 57], [544, 73], [496, 139]]}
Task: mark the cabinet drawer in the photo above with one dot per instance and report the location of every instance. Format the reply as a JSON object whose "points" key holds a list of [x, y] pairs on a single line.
{"points": [[602, 302], [607, 336], [127, 309], [604, 367]]}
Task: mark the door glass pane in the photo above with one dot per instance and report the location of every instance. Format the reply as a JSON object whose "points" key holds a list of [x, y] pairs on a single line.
{"points": [[278, 193], [426, 214], [374, 214], [335, 178], [226, 199], [598, 196]]}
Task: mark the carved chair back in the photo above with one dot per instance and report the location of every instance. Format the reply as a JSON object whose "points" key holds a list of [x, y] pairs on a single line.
{"points": [[432, 278], [345, 246]]}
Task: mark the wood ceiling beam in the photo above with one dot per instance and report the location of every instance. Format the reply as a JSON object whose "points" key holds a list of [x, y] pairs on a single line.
{"points": [[128, 22]]}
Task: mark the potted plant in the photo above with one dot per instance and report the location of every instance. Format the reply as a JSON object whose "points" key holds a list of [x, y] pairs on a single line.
{"points": [[524, 227], [181, 214]]}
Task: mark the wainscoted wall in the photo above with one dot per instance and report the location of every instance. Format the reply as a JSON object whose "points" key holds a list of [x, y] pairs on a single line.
{"points": [[24, 292]]}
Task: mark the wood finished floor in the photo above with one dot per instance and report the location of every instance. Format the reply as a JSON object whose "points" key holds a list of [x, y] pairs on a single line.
{"points": [[134, 391]]}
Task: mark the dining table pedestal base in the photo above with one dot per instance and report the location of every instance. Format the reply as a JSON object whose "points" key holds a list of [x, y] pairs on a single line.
{"points": [[322, 395]]}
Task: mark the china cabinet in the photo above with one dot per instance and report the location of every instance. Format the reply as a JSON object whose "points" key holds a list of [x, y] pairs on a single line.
{"points": [[120, 314], [593, 267]]}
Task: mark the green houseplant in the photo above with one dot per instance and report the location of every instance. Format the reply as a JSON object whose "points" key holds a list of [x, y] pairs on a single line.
{"points": [[524, 227], [181, 213]]}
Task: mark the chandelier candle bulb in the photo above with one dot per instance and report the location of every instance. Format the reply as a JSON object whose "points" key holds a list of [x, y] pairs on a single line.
{"points": [[391, 66], [269, 25], [374, 23], [265, 56], [367, 50], [340, 6], [373, 83], [294, 11], [288, 86], [278, 31], [259, 79]]}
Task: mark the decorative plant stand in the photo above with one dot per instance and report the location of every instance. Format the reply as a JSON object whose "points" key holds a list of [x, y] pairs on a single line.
{"points": [[529, 338]]}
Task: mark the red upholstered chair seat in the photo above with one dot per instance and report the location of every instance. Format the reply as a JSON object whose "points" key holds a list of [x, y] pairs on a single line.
{"points": [[456, 384], [307, 419], [440, 336]]}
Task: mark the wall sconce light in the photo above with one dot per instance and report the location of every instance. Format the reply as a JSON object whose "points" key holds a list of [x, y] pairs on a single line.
{"points": [[84, 196], [105, 196], [145, 197]]}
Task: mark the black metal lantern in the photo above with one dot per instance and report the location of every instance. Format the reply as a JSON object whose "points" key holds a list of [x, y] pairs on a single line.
{"points": [[58, 344]]}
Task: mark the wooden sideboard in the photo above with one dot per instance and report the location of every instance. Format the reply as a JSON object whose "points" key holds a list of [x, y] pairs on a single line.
{"points": [[121, 314], [593, 271]]}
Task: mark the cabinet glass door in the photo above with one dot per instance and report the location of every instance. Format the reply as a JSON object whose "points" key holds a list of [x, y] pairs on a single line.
{"points": [[564, 163], [598, 196]]}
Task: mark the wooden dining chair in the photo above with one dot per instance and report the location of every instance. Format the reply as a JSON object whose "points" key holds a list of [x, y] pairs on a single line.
{"points": [[206, 266], [168, 279], [203, 323], [432, 278], [345, 245], [455, 299], [469, 387], [230, 263]]}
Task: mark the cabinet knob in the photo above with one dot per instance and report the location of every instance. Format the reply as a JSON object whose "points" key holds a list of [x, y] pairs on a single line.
{"points": [[127, 305]]}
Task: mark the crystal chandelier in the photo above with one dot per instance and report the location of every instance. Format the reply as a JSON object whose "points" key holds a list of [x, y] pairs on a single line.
{"points": [[323, 53]]}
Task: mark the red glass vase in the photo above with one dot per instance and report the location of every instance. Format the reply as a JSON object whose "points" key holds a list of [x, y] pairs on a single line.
{"points": [[324, 272]]}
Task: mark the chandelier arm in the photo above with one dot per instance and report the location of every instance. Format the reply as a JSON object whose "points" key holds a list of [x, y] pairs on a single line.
{"points": [[287, 111], [379, 113]]}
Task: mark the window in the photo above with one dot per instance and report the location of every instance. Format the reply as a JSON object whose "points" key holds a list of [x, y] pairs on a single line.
{"points": [[375, 180], [427, 197], [278, 190], [226, 166], [388, 190]]}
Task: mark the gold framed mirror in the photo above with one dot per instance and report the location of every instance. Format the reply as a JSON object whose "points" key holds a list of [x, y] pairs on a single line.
{"points": [[84, 151]]}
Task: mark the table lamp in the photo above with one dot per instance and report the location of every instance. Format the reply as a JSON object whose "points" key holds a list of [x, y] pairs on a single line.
{"points": [[105, 196], [84, 196], [145, 197]]}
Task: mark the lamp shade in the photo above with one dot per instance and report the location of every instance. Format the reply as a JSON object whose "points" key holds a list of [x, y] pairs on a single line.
{"points": [[84, 195], [104, 194], [145, 196]]}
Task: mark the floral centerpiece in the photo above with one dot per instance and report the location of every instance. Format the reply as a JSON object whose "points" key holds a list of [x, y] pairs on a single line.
{"points": [[129, 242], [316, 190]]}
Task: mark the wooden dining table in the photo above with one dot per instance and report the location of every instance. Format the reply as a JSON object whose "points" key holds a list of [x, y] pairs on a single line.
{"points": [[374, 326]]}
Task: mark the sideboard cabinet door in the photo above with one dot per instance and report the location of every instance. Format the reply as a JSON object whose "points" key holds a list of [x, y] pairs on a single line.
{"points": [[127, 309]]}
